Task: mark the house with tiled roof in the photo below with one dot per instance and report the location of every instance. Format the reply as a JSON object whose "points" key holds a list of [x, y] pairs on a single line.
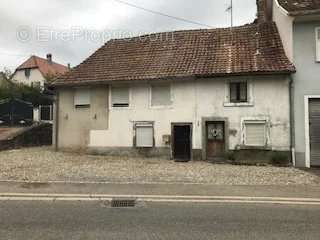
{"points": [[298, 22], [36, 71], [200, 94]]}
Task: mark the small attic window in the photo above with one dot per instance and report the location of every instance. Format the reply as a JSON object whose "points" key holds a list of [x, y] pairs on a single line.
{"points": [[27, 72]]}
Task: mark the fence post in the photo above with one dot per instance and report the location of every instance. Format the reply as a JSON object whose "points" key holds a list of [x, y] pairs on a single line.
{"points": [[36, 114]]}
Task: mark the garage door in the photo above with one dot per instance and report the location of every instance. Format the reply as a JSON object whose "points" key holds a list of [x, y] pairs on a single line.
{"points": [[314, 116]]}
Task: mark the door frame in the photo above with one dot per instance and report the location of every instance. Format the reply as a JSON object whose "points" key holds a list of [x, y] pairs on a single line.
{"points": [[206, 120], [174, 124], [307, 127]]}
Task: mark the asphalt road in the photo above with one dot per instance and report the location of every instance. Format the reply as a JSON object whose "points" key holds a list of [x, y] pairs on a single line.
{"points": [[95, 220]]}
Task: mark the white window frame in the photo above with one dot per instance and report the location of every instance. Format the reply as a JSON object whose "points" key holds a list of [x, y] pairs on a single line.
{"points": [[257, 120], [317, 36], [146, 124], [110, 98], [160, 106], [74, 98], [249, 103]]}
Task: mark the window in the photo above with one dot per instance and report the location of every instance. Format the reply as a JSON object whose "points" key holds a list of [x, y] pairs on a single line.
{"points": [[27, 72], [82, 97], [318, 44], [255, 133], [238, 92], [144, 135], [161, 95], [36, 84], [120, 97]]}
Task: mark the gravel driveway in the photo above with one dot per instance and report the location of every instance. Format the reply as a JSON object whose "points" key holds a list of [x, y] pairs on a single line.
{"points": [[43, 164]]}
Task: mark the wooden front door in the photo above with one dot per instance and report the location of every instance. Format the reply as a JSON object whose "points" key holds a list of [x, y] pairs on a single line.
{"points": [[215, 140]]}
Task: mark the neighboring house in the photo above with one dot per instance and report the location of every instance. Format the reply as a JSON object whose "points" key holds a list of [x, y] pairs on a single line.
{"points": [[4, 82], [194, 94], [36, 71], [298, 22]]}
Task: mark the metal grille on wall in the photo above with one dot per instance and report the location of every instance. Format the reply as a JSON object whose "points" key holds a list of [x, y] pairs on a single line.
{"points": [[46, 113]]}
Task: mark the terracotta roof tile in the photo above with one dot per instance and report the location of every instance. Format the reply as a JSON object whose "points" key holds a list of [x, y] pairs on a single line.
{"points": [[249, 49], [44, 66], [301, 7]]}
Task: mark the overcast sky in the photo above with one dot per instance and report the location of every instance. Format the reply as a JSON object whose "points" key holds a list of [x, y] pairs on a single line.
{"points": [[73, 29]]}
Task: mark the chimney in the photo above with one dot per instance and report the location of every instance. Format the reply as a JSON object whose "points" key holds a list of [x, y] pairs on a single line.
{"points": [[49, 58], [69, 66], [265, 10]]}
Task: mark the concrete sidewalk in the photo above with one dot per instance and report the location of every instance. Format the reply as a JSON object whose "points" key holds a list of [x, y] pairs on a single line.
{"points": [[189, 190]]}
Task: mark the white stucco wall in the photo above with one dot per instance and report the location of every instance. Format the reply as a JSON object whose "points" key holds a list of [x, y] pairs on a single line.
{"points": [[35, 76], [75, 124], [195, 99], [285, 28]]}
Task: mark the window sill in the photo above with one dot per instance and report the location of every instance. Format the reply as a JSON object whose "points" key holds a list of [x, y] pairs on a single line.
{"points": [[241, 104], [161, 107], [120, 108], [146, 147], [245, 147]]}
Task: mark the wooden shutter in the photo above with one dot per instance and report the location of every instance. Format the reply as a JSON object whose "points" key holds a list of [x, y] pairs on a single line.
{"points": [[255, 134]]}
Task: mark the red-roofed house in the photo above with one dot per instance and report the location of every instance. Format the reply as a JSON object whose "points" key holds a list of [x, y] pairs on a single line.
{"points": [[35, 71], [197, 94]]}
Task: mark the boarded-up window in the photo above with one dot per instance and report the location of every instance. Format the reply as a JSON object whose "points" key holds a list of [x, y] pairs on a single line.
{"points": [[144, 135], [238, 92], [318, 44], [255, 133], [82, 97], [120, 96], [161, 95]]}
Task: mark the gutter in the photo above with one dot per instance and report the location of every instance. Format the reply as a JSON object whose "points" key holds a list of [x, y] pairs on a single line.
{"points": [[292, 120], [56, 122]]}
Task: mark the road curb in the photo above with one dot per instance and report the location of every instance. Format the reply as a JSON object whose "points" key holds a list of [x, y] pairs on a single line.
{"points": [[158, 198]]}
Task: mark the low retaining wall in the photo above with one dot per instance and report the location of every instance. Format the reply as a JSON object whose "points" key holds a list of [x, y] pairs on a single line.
{"points": [[36, 135]]}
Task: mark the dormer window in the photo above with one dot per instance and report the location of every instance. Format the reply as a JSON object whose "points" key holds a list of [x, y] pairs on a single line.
{"points": [[27, 72]]}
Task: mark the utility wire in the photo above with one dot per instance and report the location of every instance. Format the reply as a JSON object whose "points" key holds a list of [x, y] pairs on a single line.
{"points": [[14, 55], [162, 14]]}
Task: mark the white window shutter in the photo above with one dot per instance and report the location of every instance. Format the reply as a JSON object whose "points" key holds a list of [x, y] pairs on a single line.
{"points": [[144, 135], [161, 95], [120, 96], [82, 97], [255, 134]]}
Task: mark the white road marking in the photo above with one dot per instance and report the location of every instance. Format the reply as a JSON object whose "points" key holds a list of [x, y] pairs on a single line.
{"points": [[158, 198]]}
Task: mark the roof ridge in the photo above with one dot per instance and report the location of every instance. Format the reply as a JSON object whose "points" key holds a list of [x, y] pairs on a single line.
{"points": [[187, 30], [193, 53]]}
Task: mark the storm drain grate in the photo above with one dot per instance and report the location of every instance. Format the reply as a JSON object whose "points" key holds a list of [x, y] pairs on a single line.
{"points": [[123, 203]]}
